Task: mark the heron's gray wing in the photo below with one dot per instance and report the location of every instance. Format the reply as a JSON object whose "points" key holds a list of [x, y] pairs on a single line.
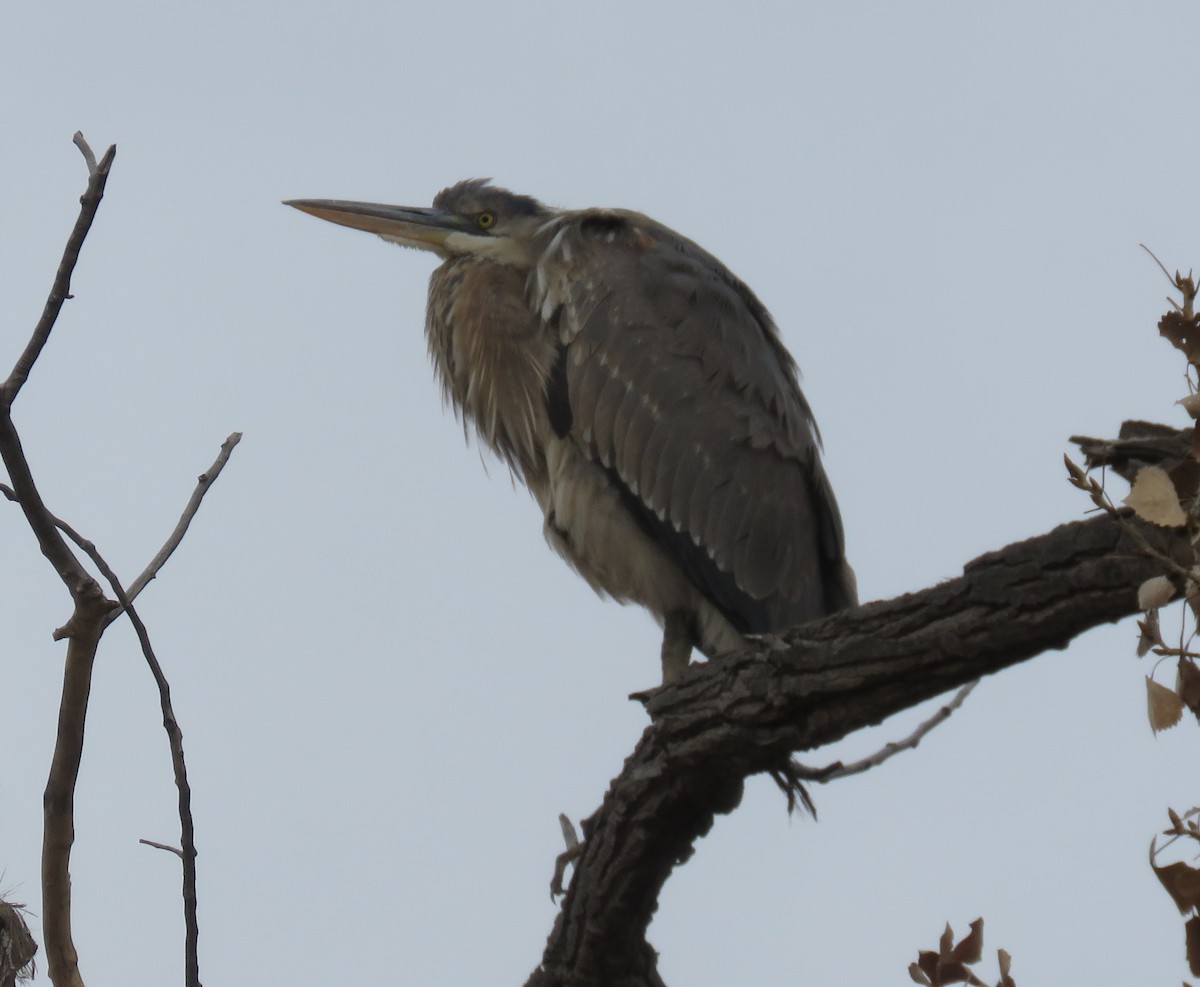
{"points": [[676, 383]]}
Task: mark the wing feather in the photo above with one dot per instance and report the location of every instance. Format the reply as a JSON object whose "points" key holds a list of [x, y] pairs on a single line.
{"points": [[679, 385]]}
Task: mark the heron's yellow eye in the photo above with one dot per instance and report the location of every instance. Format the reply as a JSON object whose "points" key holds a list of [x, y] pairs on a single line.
{"points": [[486, 220]]}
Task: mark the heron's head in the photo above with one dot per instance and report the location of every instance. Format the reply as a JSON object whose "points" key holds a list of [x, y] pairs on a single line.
{"points": [[472, 217]]}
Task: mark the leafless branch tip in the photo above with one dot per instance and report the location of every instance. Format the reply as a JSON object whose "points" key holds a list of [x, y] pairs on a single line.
{"points": [[840, 770], [564, 859], [163, 846]]}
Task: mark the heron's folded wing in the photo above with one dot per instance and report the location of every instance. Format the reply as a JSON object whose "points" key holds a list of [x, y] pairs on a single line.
{"points": [[678, 385]]}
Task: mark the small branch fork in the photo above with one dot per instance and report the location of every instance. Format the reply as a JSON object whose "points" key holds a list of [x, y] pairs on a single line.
{"points": [[93, 611], [831, 772]]}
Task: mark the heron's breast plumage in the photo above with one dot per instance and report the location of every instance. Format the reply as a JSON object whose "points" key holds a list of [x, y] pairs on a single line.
{"points": [[492, 357]]}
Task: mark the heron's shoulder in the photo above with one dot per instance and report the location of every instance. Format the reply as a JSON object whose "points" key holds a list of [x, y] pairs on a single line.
{"points": [[624, 229], [632, 249], [577, 232], [627, 250]]}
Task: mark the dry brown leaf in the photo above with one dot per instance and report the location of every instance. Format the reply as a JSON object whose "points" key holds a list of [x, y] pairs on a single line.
{"points": [[1191, 592], [1005, 966], [928, 963], [1149, 636], [1191, 404], [1188, 684], [1155, 592], [950, 964], [918, 975], [970, 950], [946, 943], [1191, 932], [1163, 705], [1076, 473], [1181, 881], [1153, 498], [1184, 334]]}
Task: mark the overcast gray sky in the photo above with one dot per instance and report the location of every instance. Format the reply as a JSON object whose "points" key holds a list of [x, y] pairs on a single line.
{"points": [[389, 686]]}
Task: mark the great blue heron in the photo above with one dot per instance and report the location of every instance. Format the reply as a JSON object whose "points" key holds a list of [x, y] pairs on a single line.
{"points": [[643, 395]]}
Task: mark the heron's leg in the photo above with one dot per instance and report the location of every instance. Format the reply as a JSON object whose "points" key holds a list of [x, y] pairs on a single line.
{"points": [[678, 638]]}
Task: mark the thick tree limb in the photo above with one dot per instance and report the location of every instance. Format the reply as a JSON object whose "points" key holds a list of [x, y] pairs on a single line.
{"points": [[735, 717]]}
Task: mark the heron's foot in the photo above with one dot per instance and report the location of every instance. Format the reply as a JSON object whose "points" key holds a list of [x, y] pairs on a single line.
{"points": [[678, 637], [772, 642]]}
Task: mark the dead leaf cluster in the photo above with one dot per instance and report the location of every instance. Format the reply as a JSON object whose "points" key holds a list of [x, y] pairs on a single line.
{"points": [[1181, 329], [1166, 494], [1158, 496], [951, 963], [1163, 467], [1182, 880]]}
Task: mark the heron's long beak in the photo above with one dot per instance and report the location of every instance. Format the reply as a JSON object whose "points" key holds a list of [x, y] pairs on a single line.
{"points": [[425, 229]]}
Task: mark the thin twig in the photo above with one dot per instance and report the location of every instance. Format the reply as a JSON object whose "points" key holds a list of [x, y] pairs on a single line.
{"points": [[86, 149], [60, 291], [187, 830], [204, 481], [564, 859], [1158, 262], [163, 846], [1078, 477], [840, 770]]}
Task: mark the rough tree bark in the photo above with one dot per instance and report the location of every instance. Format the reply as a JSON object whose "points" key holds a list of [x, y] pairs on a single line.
{"points": [[736, 717]]}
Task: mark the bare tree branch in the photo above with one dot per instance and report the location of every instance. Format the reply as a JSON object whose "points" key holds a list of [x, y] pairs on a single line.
{"points": [[170, 724], [93, 612], [60, 291], [187, 828], [730, 718], [86, 150], [83, 629], [203, 483], [831, 772], [164, 846], [174, 734]]}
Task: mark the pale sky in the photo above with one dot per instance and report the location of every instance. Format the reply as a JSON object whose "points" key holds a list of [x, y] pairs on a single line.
{"points": [[389, 686]]}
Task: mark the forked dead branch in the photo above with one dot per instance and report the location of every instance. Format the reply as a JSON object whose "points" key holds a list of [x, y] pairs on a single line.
{"points": [[92, 612]]}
